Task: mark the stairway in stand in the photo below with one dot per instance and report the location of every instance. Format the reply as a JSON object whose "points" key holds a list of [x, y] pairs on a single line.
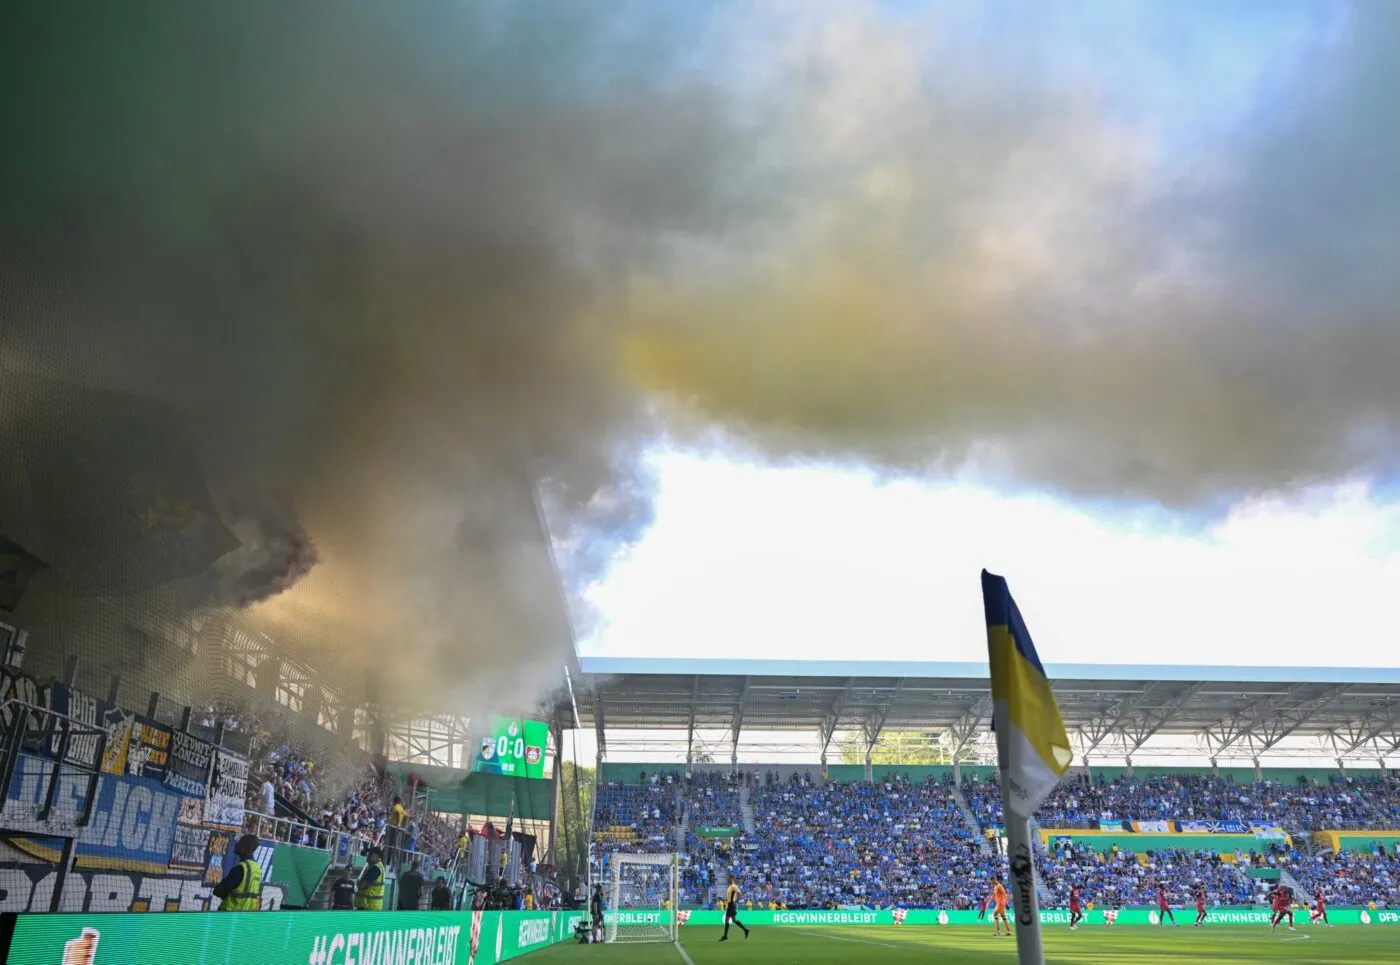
{"points": [[970, 820], [683, 825], [746, 809]]}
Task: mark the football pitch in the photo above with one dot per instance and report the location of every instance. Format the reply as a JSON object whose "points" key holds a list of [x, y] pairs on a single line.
{"points": [[1100, 946]]}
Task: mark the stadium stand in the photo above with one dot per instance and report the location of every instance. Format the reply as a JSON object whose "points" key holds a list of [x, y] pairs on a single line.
{"points": [[907, 843]]}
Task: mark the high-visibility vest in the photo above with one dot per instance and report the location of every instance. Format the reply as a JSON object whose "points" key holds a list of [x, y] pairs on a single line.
{"points": [[248, 895], [372, 898]]}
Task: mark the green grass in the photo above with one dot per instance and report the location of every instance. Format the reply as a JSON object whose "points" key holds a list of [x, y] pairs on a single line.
{"points": [[976, 946]]}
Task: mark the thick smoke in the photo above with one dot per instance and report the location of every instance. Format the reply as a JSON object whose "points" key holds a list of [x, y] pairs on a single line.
{"points": [[410, 265], [996, 266]]}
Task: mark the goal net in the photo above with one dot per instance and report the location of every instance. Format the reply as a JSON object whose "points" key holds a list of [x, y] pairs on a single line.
{"points": [[643, 897]]}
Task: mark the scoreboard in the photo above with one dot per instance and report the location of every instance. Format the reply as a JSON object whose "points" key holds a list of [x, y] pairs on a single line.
{"points": [[512, 747]]}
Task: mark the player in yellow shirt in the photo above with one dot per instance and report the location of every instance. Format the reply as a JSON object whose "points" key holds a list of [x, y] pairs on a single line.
{"points": [[731, 910]]}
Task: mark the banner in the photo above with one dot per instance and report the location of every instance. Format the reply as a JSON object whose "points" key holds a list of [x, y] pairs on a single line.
{"points": [[191, 847], [217, 856], [132, 826], [28, 888], [318, 937], [1270, 832], [228, 789], [18, 687], [265, 856], [1111, 827], [188, 764], [150, 749], [1211, 827], [1152, 827], [718, 832], [82, 709]]}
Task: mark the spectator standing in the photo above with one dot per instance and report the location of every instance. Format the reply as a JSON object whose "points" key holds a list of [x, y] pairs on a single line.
{"points": [[410, 889], [442, 895], [343, 892]]}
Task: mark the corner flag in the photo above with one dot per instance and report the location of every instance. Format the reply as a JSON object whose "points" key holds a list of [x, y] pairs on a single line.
{"points": [[1033, 748]]}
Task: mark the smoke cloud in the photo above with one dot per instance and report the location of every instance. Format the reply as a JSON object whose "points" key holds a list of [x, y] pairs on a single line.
{"points": [[408, 266]]}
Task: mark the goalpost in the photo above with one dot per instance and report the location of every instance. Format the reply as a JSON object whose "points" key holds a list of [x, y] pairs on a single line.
{"points": [[643, 898]]}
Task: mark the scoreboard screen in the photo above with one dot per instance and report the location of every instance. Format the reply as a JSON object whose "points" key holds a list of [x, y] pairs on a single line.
{"points": [[512, 747]]}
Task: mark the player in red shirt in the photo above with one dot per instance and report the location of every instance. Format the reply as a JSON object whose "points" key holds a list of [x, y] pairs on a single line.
{"points": [[1076, 912], [1164, 910], [1200, 906], [1281, 899], [1319, 912]]}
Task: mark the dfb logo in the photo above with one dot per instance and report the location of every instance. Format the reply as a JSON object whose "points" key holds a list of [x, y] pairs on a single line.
{"points": [[533, 932], [899, 914], [682, 916]]}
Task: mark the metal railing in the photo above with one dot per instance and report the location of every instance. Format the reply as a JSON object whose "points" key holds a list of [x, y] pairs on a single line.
{"points": [[49, 818]]}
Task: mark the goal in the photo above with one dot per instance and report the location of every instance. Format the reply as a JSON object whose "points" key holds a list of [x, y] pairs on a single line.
{"points": [[643, 905]]}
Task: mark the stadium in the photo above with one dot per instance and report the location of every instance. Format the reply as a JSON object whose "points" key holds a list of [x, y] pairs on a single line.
{"points": [[486, 481]]}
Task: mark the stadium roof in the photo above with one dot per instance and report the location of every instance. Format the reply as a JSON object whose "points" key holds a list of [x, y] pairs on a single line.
{"points": [[1236, 712]]}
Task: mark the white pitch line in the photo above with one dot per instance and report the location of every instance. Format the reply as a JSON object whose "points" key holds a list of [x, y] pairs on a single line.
{"points": [[1296, 938], [685, 955], [840, 938]]}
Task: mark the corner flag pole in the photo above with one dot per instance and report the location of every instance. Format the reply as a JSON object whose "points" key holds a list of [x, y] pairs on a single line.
{"points": [[1029, 950], [1033, 750]]}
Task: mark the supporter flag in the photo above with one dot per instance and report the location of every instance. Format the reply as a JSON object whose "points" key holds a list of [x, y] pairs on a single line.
{"points": [[505, 838], [1033, 747], [17, 567]]}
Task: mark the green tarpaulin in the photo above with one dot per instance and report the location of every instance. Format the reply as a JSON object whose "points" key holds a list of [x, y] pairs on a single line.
{"points": [[456, 791]]}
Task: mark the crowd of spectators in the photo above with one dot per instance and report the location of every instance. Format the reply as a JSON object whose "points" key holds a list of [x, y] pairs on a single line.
{"points": [[279, 774], [877, 845], [1351, 877], [1344, 803], [711, 800], [1117, 877], [899, 843], [635, 818]]}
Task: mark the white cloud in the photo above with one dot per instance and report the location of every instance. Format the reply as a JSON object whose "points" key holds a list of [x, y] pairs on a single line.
{"points": [[817, 563]]}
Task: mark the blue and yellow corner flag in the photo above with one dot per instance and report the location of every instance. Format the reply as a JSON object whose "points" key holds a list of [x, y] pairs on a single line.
{"points": [[1033, 747]]}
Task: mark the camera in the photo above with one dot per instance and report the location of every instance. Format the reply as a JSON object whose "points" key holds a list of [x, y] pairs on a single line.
{"points": [[583, 931]]}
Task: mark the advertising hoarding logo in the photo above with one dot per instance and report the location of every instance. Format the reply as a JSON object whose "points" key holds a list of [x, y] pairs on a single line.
{"points": [[83, 949]]}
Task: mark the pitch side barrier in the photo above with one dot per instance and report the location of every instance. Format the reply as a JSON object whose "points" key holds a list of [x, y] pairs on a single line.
{"points": [[286, 938], [897, 917]]}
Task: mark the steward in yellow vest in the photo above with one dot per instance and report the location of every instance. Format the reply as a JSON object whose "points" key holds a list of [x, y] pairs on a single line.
{"points": [[371, 896], [241, 889]]}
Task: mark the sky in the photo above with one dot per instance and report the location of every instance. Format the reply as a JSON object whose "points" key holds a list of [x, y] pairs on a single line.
{"points": [[832, 563], [826, 558]]}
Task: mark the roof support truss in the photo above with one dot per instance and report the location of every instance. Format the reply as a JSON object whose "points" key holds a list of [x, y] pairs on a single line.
{"points": [[599, 726], [690, 731], [1269, 720], [738, 724], [970, 724], [876, 724], [832, 718]]}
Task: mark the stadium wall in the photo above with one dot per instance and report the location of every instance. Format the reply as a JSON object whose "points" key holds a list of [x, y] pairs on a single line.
{"points": [[1356, 840], [328, 938]]}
